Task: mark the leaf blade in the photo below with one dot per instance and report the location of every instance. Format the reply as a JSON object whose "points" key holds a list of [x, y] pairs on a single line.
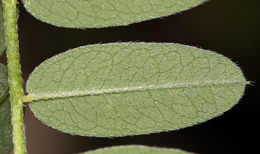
{"points": [[2, 36], [103, 13], [5, 113], [123, 89], [6, 142], [137, 149], [3, 82]]}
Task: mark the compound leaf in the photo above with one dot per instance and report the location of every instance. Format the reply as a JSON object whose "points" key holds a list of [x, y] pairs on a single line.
{"points": [[103, 13], [136, 149], [121, 89], [2, 36], [5, 114]]}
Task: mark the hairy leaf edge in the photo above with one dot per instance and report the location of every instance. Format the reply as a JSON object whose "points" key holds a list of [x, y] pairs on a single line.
{"points": [[104, 26], [136, 146], [32, 99]]}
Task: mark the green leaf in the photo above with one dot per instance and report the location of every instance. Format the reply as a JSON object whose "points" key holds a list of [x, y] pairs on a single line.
{"points": [[6, 143], [2, 36], [5, 114], [3, 82], [103, 13], [121, 89], [136, 149]]}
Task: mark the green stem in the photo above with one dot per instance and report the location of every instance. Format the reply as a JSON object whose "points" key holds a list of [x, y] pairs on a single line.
{"points": [[14, 73]]}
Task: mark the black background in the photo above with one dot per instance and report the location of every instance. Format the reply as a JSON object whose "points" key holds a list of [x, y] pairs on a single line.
{"points": [[230, 27]]}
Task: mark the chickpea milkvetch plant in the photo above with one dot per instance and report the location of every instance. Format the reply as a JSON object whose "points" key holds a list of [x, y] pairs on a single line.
{"points": [[113, 89]]}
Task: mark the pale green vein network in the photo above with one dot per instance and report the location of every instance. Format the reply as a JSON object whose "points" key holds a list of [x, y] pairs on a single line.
{"points": [[121, 89], [103, 13], [136, 149]]}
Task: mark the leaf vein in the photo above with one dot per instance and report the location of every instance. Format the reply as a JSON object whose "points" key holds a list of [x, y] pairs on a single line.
{"points": [[80, 93]]}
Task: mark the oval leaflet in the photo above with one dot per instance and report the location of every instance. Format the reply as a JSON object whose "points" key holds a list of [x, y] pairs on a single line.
{"points": [[121, 89], [103, 13], [136, 149]]}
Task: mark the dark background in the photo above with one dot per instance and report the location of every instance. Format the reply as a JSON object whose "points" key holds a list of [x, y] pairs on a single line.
{"points": [[230, 27]]}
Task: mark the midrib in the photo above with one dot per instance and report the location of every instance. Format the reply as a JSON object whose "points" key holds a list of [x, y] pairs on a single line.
{"points": [[80, 93]]}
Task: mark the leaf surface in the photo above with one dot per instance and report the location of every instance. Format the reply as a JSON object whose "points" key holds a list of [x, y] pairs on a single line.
{"points": [[136, 149], [2, 36], [3, 82], [121, 89], [6, 143], [5, 114], [103, 13]]}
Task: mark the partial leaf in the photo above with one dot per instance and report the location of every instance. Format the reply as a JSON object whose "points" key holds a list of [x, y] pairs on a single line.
{"points": [[2, 36], [136, 149], [3, 82], [5, 114], [6, 143], [121, 89], [103, 13]]}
